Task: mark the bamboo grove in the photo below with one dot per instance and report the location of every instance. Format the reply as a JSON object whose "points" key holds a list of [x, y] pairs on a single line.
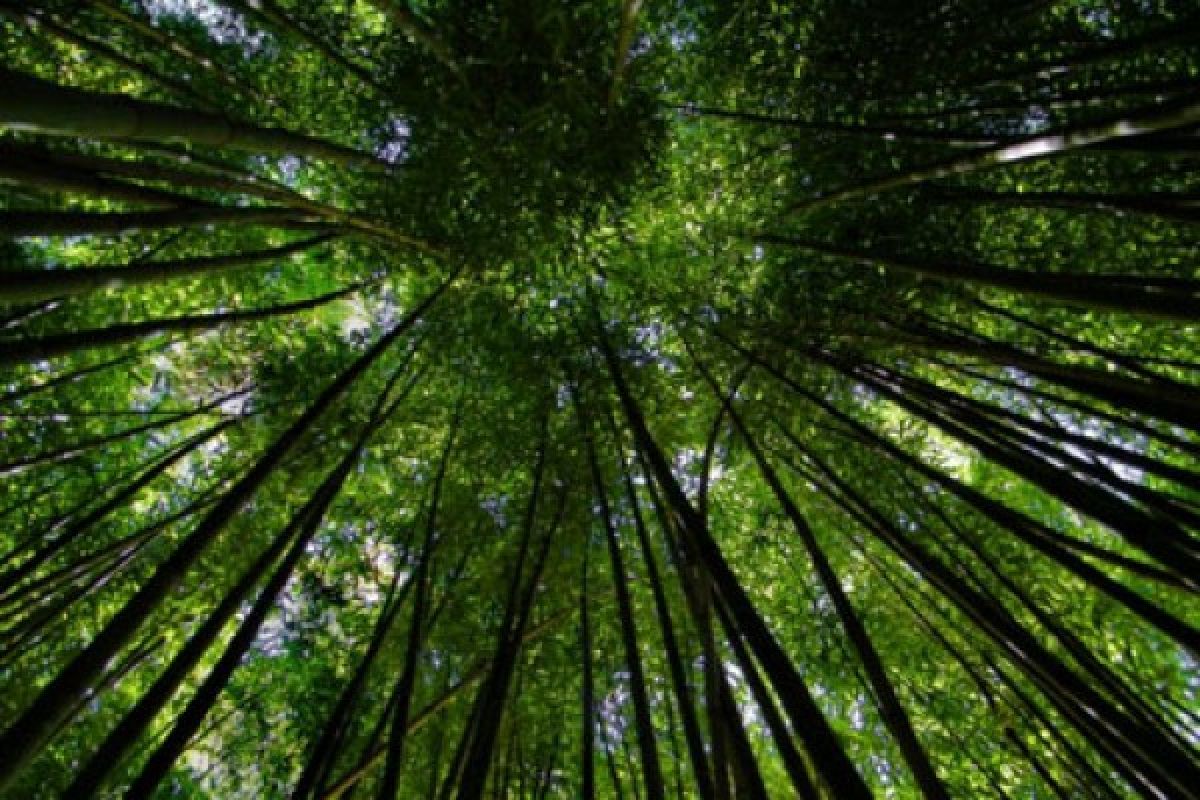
{"points": [[525, 399]]}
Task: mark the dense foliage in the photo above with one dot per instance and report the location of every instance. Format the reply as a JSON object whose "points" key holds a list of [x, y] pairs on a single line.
{"points": [[532, 399]]}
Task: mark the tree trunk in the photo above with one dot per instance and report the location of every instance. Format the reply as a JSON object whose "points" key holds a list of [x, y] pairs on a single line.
{"points": [[28, 285], [1178, 113], [587, 715], [82, 223], [835, 766], [1146, 758], [1153, 297], [39, 106], [52, 345], [404, 687], [29, 733]]}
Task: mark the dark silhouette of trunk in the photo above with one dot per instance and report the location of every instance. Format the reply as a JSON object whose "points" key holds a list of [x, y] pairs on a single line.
{"points": [[30, 731], [89, 779], [647, 740], [1166, 205], [320, 763], [835, 766], [781, 737], [1145, 756], [919, 608], [676, 753], [321, 758], [404, 687], [1056, 99], [192, 172], [1139, 364], [1104, 677], [71, 530], [66, 377], [97, 563], [374, 754], [1178, 113], [1040, 394], [1046, 441], [746, 777], [25, 285], [36, 105], [1158, 538], [890, 708], [79, 448], [679, 681], [635, 786], [1158, 396], [51, 345], [1151, 296], [82, 223], [414, 28], [714, 699], [165, 43], [43, 612], [188, 721], [17, 166], [614, 776], [698, 594], [1179, 32], [587, 756], [470, 773], [1032, 532]]}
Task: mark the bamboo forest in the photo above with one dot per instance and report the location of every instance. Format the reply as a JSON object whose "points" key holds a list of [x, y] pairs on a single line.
{"points": [[535, 399]]}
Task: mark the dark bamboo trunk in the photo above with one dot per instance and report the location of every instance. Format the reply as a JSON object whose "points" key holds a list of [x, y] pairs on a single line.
{"points": [[587, 697], [836, 768], [27, 285], [111, 223], [398, 727], [52, 345], [29, 733], [647, 740], [36, 105]]}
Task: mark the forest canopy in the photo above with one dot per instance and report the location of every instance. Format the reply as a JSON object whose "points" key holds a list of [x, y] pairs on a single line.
{"points": [[537, 399]]}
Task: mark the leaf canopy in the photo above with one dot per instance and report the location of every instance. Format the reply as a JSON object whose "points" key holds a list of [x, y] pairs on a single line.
{"points": [[529, 399]]}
